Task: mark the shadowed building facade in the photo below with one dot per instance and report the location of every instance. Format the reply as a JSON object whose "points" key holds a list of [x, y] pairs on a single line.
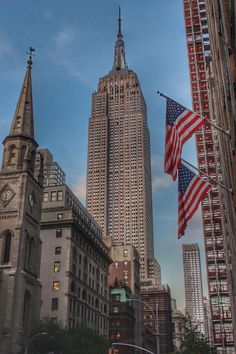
{"points": [[119, 192], [210, 161], [20, 212]]}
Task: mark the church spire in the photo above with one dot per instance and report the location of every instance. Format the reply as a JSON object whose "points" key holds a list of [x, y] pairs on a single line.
{"points": [[23, 122], [19, 145], [119, 57]]}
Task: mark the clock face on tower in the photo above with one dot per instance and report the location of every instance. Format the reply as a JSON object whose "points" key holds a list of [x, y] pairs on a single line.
{"points": [[5, 195]]}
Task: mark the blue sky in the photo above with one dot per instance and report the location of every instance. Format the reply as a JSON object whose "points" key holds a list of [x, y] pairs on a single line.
{"points": [[74, 44]]}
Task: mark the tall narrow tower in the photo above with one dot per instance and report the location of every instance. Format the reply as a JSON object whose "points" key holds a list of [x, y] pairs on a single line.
{"points": [[193, 285], [119, 193], [20, 212]]}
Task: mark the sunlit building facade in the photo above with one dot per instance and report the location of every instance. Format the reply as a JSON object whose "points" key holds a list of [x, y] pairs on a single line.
{"points": [[119, 192]]}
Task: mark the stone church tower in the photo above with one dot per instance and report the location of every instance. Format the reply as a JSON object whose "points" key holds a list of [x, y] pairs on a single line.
{"points": [[20, 213]]}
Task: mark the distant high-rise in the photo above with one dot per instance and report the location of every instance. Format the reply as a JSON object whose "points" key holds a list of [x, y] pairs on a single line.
{"points": [[53, 174], [119, 192], [193, 285]]}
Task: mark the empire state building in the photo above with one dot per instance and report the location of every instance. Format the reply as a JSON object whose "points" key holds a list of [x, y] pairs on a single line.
{"points": [[119, 192]]}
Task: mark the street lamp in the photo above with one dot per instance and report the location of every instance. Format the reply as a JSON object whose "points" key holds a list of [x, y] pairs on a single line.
{"points": [[133, 346], [31, 340]]}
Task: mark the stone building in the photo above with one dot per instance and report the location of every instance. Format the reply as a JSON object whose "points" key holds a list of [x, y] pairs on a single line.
{"points": [[20, 213], [75, 261]]}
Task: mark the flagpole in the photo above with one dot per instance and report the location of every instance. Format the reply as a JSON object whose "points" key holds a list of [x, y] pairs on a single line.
{"points": [[207, 120], [211, 179]]}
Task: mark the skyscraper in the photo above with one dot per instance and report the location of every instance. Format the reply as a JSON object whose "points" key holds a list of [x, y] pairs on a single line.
{"points": [[193, 285], [208, 153], [119, 193], [20, 212]]}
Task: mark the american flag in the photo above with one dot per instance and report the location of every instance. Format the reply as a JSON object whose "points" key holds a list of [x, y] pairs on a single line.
{"points": [[192, 189], [181, 123]]}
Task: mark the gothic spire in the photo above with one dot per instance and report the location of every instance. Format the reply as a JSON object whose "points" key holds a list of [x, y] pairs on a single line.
{"points": [[23, 122], [119, 57]]}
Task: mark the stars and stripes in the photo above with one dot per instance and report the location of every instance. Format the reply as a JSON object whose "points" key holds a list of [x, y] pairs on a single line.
{"points": [[181, 123], [191, 190]]}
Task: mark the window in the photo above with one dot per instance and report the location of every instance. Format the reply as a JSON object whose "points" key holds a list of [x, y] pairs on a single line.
{"points": [[115, 309], [57, 266], [59, 216], [116, 265], [125, 253], [59, 233], [54, 304], [59, 196], [6, 248], [12, 155], [57, 250], [56, 286], [53, 196], [45, 197]]}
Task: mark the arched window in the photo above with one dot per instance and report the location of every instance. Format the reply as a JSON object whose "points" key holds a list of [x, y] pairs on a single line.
{"points": [[84, 295], [72, 287], [26, 311], [22, 154], [29, 253], [6, 250], [105, 309], [12, 155], [32, 159]]}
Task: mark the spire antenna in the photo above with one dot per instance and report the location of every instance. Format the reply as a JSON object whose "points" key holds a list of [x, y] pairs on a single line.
{"points": [[30, 52], [119, 35]]}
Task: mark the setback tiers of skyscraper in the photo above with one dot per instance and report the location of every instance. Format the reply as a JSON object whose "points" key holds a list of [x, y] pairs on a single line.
{"points": [[119, 193]]}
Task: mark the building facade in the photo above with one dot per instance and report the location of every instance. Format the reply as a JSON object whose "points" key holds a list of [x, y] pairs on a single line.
{"points": [[52, 172], [177, 327], [75, 261], [208, 153], [122, 319], [119, 192], [157, 317], [221, 69], [193, 285], [125, 270], [20, 212]]}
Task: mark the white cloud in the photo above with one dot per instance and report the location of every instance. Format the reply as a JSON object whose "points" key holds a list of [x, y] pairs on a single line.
{"points": [[65, 38], [157, 162], [161, 182], [79, 189], [6, 48]]}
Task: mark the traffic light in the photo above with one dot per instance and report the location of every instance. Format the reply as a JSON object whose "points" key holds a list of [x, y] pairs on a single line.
{"points": [[113, 351]]}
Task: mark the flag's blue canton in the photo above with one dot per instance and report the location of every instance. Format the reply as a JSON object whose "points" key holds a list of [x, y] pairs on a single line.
{"points": [[173, 110], [185, 177]]}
